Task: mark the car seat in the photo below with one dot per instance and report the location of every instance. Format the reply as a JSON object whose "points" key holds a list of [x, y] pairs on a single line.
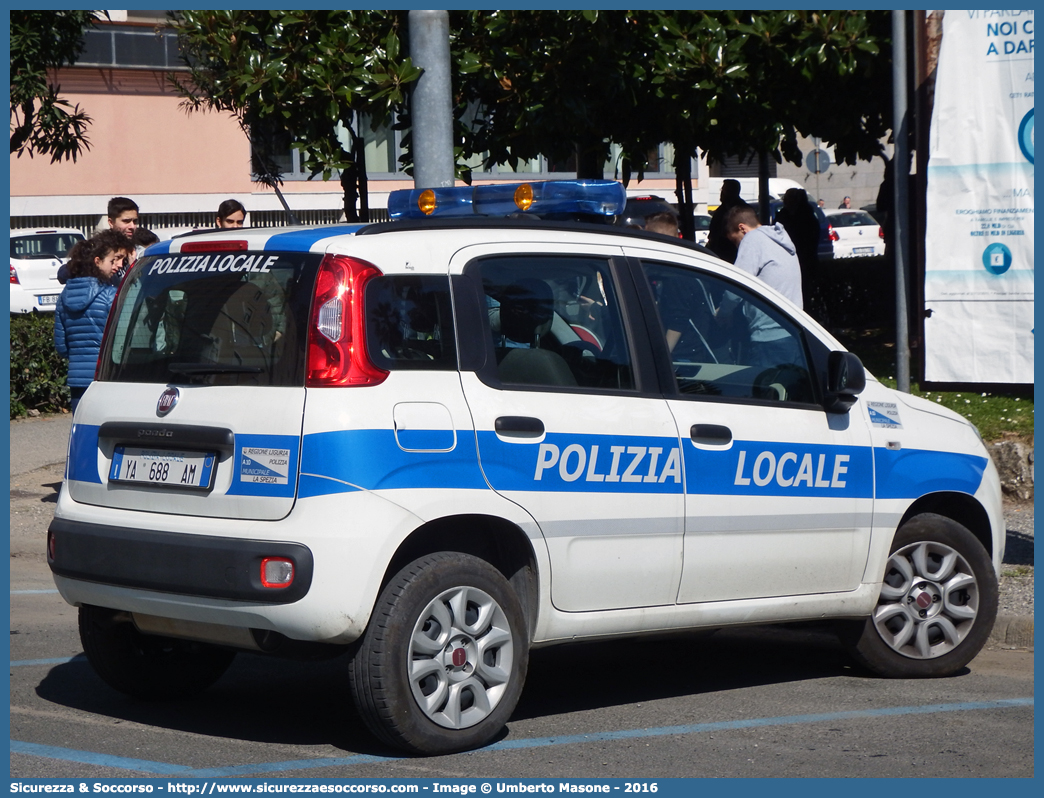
{"points": [[527, 311]]}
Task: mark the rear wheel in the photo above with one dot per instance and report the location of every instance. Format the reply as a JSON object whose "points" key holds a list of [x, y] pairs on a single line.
{"points": [[444, 658], [937, 604], [147, 666]]}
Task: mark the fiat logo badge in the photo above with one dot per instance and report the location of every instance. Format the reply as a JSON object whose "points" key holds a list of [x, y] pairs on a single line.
{"points": [[167, 400]]}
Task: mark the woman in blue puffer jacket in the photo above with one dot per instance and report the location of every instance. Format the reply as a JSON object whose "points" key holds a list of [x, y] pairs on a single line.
{"points": [[83, 307]]}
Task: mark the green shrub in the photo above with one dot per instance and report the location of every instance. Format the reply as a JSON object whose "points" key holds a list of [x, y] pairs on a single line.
{"points": [[37, 372]]}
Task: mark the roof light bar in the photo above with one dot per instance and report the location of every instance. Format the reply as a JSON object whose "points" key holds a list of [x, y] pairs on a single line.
{"points": [[598, 197]]}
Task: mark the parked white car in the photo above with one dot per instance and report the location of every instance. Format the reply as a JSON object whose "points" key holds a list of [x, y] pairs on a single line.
{"points": [[858, 234], [36, 256], [701, 221]]}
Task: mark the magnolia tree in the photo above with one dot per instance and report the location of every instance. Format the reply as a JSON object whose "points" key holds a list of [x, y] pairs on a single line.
{"points": [[41, 121]]}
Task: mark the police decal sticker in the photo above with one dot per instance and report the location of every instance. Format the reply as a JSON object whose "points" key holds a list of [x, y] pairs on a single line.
{"points": [[884, 414], [264, 466]]}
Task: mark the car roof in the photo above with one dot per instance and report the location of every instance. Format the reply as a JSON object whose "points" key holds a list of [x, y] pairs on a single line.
{"points": [[318, 238], [39, 231], [528, 223]]}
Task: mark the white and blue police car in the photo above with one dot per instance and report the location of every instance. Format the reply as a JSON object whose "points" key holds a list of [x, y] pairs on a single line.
{"points": [[436, 443]]}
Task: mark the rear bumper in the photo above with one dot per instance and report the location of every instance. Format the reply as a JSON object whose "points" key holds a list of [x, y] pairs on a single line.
{"points": [[186, 564]]}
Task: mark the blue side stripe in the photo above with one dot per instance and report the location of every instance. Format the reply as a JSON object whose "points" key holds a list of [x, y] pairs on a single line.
{"points": [[910, 473], [372, 460], [758, 468], [83, 454], [159, 248], [304, 240], [564, 462]]}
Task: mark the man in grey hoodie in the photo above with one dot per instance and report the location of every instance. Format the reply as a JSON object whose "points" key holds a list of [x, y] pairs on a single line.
{"points": [[767, 252]]}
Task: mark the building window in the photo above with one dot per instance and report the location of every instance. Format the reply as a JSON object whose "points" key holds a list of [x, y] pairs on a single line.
{"points": [[383, 150], [131, 47]]}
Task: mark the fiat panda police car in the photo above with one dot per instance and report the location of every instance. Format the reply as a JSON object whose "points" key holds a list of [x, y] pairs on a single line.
{"points": [[436, 443]]}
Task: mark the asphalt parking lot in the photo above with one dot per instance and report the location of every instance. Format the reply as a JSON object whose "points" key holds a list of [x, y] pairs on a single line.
{"points": [[758, 702]]}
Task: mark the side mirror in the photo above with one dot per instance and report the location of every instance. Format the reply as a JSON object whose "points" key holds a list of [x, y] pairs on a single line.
{"points": [[846, 379]]}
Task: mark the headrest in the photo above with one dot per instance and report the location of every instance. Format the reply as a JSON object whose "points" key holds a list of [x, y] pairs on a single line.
{"points": [[527, 309]]}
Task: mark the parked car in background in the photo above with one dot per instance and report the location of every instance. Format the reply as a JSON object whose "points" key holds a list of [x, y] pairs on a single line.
{"points": [[826, 232], [36, 256], [858, 234], [701, 222], [637, 209]]}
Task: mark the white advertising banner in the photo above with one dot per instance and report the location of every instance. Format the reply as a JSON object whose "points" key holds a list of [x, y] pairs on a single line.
{"points": [[979, 236]]}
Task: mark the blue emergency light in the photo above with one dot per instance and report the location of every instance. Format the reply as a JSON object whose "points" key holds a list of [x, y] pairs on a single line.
{"points": [[549, 197]]}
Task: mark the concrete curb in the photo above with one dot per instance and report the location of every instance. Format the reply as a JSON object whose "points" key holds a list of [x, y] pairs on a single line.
{"points": [[1012, 631]]}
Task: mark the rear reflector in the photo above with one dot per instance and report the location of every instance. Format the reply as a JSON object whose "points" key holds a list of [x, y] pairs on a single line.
{"points": [[277, 572]]}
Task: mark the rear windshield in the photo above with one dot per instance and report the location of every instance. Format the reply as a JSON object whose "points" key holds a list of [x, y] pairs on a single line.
{"points": [[45, 245], [212, 319], [857, 219]]}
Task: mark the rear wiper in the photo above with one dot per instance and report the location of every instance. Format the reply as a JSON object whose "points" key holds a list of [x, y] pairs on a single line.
{"points": [[213, 368]]}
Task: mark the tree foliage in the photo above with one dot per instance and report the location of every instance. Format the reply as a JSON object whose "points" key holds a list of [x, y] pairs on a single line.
{"points": [[41, 121], [289, 78], [555, 84], [725, 82]]}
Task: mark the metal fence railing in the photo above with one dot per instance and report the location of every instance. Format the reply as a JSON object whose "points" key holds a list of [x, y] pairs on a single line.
{"points": [[180, 222]]}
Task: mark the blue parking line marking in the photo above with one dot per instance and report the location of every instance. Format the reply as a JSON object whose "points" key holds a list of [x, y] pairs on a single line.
{"points": [[101, 760], [31, 592], [292, 765], [162, 768], [21, 663], [786, 720]]}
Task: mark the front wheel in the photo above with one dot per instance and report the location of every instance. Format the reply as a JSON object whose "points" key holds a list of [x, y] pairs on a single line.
{"points": [[443, 660], [937, 604], [147, 666]]}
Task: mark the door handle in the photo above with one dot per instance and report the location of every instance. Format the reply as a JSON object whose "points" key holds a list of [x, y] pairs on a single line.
{"points": [[519, 426], [710, 434]]}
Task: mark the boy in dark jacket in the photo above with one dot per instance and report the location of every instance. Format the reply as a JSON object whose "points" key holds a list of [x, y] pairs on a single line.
{"points": [[83, 307]]}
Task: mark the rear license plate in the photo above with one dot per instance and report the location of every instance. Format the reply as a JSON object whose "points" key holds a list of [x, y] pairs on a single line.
{"points": [[862, 250], [163, 467], [47, 299]]}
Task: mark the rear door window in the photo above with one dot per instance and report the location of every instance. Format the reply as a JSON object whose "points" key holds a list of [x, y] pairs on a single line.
{"points": [[555, 322], [212, 319], [409, 322]]}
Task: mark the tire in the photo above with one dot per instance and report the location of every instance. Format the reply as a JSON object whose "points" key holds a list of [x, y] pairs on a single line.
{"points": [[148, 666], [937, 604], [443, 660]]}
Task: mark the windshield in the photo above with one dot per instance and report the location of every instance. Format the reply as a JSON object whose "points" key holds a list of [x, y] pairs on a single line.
{"points": [[43, 246], [212, 319]]}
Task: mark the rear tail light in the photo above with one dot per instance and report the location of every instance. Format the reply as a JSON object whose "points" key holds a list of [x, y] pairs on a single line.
{"points": [[880, 233], [14, 275], [833, 233], [337, 334]]}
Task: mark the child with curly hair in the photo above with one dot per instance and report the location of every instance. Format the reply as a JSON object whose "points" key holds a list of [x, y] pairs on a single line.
{"points": [[83, 307]]}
